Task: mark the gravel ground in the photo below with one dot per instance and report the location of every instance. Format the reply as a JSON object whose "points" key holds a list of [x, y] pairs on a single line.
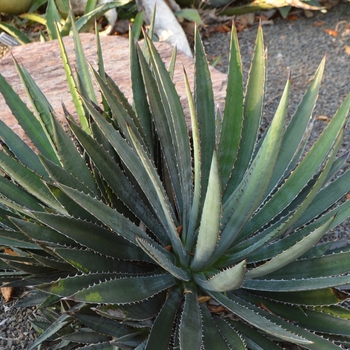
{"points": [[295, 46]]}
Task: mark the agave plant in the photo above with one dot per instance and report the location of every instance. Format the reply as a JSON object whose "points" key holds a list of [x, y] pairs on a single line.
{"points": [[141, 229]]}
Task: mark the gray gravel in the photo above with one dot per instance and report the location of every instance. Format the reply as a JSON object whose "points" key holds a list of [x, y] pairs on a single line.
{"points": [[298, 46]]}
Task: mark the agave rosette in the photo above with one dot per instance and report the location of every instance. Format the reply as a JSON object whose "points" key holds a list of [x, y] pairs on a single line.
{"points": [[147, 236]]}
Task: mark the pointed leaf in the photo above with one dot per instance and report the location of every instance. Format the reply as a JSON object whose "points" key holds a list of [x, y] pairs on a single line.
{"points": [[257, 319], [88, 261], [290, 254], [205, 110], [26, 119], [253, 103], [209, 229], [94, 237], [231, 335], [125, 290], [229, 279], [71, 160], [29, 181], [233, 113], [190, 328], [212, 338], [162, 328], [303, 172], [178, 129], [297, 127], [163, 259], [73, 86], [123, 188]]}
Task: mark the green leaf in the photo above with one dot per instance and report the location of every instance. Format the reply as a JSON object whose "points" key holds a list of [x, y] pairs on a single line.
{"points": [[103, 325], [246, 198], [70, 158], [42, 108], [189, 236], [290, 254], [120, 108], [296, 129], [40, 233], [295, 285], [110, 217], [123, 188], [16, 194], [61, 322], [212, 337], [254, 339], [140, 97], [84, 337], [88, 261], [233, 113], [303, 172], [314, 320], [179, 141], [326, 296], [232, 337], [258, 319], [205, 110], [253, 103], [92, 236], [125, 290], [162, 328], [229, 279], [73, 86], [16, 33], [191, 15], [209, 229], [26, 119], [60, 175], [141, 311], [16, 240], [30, 181], [190, 327], [90, 5], [163, 259], [52, 16], [89, 17], [86, 86], [136, 29], [324, 266], [316, 342]]}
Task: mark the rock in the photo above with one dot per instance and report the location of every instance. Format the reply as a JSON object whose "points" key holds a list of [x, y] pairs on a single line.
{"points": [[43, 62]]}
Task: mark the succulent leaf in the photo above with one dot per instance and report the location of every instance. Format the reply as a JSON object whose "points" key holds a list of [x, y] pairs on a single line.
{"points": [[253, 103], [73, 85], [208, 232], [164, 259], [233, 113], [212, 337], [291, 254], [205, 112], [243, 309], [229, 279], [232, 337], [190, 328], [125, 290], [178, 130], [163, 324]]}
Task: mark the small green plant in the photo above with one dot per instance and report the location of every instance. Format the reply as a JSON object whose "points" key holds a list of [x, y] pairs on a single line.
{"points": [[133, 233], [57, 13]]}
